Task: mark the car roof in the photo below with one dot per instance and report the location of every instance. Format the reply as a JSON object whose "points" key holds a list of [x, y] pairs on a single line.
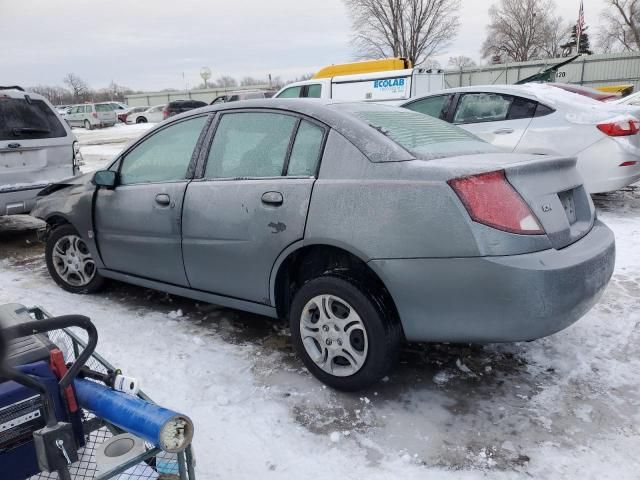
{"points": [[370, 142], [519, 90]]}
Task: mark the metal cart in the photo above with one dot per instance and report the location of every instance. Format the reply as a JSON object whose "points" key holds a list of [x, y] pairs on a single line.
{"points": [[153, 464]]}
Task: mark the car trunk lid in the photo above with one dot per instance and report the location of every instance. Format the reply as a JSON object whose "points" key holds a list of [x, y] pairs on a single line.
{"points": [[550, 186]]}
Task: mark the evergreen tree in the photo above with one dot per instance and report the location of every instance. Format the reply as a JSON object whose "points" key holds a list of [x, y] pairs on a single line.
{"points": [[585, 47]]}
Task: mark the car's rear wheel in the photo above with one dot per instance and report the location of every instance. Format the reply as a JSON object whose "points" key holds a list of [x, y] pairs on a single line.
{"points": [[70, 263], [87, 125], [141, 120], [345, 334]]}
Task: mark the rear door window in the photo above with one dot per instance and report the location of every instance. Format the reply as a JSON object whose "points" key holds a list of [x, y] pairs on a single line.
{"points": [[432, 106], [482, 107], [314, 91], [307, 147], [28, 120], [250, 145]]}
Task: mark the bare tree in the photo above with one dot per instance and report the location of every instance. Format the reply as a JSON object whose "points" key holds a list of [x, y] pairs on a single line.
{"points": [[461, 61], [412, 29], [620, 26], [226, 81], [78, 87], [557, 33], [249, 81], [518, 29]]}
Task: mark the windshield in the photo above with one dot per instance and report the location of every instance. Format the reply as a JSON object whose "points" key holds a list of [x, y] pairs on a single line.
{"points": [[28, 120], [421, 134]]}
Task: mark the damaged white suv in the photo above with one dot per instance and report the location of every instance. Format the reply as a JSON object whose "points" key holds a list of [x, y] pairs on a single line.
{"points": [[37, 148]]}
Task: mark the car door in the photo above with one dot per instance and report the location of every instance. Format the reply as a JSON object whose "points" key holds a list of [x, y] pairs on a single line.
{"points": [[251, 202], [499, 119], [138, 223]]}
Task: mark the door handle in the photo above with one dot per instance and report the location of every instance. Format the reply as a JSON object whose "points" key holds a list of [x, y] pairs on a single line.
{"points": [[272, 198], [163, 199], [503, 131]]}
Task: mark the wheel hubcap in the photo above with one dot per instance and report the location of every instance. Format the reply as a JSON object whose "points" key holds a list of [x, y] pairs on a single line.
{"points": [[334, 335], [72, 261]]}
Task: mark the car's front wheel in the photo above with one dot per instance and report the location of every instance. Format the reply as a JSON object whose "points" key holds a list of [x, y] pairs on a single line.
{"points": [[346, 335], [141, 120], [70, 263]]}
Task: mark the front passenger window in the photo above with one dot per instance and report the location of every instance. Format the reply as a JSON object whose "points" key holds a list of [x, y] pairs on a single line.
{"points": [[482, 107], [163, 157]]}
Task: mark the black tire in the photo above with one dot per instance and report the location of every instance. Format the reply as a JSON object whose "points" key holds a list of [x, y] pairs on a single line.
{"points": [[96, 283], [141, 120], [383, 330], [87, 125]]}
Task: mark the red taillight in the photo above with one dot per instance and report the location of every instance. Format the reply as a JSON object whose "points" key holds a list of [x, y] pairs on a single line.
{"points": [[628, 163], [95, 114], [165, 113], [620, 128], [491, 200]]}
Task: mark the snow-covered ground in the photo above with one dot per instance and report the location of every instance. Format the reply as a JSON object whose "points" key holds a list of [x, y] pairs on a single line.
{"points": [[100, 146], [564, 407]]}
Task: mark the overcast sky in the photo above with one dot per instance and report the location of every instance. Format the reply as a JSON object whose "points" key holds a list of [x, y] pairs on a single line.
{"points": [[150, 44]]}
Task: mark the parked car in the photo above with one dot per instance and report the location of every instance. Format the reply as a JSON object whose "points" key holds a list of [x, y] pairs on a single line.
{"points": [[541, 119], [147, 114], [362, 224], [37, 148], [91, 115], [587, 92], [62, 110], [243, 95], [632, 100], [176, 107]]}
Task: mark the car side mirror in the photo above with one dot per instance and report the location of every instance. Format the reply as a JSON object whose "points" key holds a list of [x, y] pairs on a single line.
{"points": [[105, 178]]}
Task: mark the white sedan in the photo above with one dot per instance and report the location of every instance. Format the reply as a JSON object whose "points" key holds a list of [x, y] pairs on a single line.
{"points": [[541, 119], [150, 115]]}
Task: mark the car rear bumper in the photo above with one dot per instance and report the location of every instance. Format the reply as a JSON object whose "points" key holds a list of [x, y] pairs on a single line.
{"points": [[499, 299], [18, 201]]}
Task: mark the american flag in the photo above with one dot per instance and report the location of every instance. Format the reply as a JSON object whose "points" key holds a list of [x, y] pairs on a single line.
{"points": [[580, 24]]}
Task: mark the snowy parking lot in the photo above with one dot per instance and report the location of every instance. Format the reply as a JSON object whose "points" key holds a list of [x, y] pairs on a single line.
{"points": [[567, 406]]}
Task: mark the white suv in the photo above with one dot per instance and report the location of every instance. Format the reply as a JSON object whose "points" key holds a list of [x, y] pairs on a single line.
{"points": [[90, 115], [37, 148]]}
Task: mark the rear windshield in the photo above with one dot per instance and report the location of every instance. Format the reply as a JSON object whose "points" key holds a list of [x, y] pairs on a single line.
{"points": [[104, 107], [20, 119], [421, 134]]}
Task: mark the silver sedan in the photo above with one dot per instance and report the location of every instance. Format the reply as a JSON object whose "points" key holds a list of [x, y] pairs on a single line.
{"points": [[361, 224]]}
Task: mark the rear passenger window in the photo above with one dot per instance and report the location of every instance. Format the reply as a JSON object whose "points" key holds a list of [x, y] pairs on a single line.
{"points": [[431, 106], [20, 119], [521, 108], [314, 91], [250, 144], [306, 150]]}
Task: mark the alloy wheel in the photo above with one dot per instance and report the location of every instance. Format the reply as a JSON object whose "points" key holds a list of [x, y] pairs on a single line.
{"points": [[334, 335], [72, 261]]}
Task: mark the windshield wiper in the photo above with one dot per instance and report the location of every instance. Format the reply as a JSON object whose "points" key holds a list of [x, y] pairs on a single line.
{"points": [[17, 131]]}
